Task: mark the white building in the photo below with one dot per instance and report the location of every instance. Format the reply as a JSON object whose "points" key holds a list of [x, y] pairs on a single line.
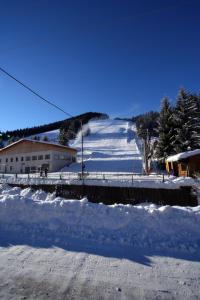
{"points": [[28, 156]]}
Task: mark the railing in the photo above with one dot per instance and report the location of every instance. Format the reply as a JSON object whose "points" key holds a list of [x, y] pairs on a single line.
{"points": [[74, 177]]}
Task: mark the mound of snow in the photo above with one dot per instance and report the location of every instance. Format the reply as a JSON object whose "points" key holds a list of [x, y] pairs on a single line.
{"points": [[32, 215]]}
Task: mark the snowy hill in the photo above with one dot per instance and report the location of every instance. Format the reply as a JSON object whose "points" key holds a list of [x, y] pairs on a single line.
{"points": [[51, 135], [110, 147]]}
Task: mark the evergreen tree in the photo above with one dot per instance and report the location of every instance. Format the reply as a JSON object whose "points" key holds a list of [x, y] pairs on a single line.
{"points": [[194, 121], [10, 140], [45, 138], [63, 137], [165, 130], [187, 122], [147, 121], [1, 141]]}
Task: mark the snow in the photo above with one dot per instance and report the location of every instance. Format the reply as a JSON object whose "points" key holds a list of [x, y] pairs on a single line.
{"points": [[51, 135], [24, 213], [89, 272], [183, 155], [103, 179], [51, 248], [110, 147]]}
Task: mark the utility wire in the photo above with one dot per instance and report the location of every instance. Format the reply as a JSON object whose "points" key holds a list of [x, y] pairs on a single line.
{"points": [[35, 93], [47, 101]]}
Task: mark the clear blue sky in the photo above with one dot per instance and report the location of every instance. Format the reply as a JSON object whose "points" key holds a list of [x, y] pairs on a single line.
{"points": [[120, 57]]}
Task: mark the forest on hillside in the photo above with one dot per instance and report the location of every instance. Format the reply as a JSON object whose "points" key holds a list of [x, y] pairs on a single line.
{"points": [[73, 124], [176, 128]]}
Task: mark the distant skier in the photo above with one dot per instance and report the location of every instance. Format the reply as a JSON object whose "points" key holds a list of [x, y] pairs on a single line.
{"points": [[45, 172]]}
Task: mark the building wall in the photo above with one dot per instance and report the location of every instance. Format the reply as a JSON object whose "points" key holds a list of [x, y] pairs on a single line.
{"points": [[194, 164], [33, 161], [185, 167], [182, 170]]}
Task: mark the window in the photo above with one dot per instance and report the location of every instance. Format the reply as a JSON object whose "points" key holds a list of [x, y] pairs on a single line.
{"points": [[40, 157], [28, 158], [22, 158], [11, 160], [33, 169], [10, 168], [184, 167], [34, 157], [6, 159], [16, 158], [47, 156], [0, 160]]}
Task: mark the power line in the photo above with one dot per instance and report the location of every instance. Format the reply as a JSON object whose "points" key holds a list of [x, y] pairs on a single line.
{"points": [[45, 100], [35, 93]]}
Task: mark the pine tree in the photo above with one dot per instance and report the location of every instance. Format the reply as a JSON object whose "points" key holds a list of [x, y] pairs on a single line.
{"points": [[194, 121], [10, 140], [1, 142], [63, 137], [45, 138], [165, 130], [187, 122]]}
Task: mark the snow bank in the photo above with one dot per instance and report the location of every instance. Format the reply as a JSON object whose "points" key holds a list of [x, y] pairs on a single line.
{"points": [[25, 214]]}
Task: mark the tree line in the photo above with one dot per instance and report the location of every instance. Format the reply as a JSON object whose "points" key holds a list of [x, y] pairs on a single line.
{"points": [[178, 125], [65, 126], [175, 129]]}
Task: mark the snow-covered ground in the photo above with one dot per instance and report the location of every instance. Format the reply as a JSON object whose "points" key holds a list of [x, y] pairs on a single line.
{"points": [[103, 179], [24, 213], [87, 272], [71, 249], [52, 136], [110, 147]]}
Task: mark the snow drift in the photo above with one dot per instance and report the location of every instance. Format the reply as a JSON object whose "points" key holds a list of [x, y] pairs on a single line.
{"points": [[25, 214]]}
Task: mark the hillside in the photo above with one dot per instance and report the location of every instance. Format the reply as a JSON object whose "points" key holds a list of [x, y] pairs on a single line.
{"points": [[111, 146], [25, 132]]}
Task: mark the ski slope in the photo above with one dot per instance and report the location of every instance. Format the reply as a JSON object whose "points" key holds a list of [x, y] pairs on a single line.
{"points": [[110, 147], [51, 135]]}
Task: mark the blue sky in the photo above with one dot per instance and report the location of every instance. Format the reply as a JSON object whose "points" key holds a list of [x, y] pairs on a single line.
{"points": [[120, 57]]}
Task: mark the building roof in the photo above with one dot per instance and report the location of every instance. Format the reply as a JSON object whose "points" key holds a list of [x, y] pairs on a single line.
{"points": [[183, 155], [37, 142]]}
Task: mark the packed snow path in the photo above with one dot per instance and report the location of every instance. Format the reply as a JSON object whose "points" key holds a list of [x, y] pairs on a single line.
{"points": [[76, 273], [110, 146]]}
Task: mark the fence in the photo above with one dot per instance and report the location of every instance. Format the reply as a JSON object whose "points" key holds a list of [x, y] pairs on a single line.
{"points": [[76, 177], [124, 195]]}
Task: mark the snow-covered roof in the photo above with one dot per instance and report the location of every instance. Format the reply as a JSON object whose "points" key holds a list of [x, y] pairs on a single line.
{"points": [[37, 142], [183, 155]]}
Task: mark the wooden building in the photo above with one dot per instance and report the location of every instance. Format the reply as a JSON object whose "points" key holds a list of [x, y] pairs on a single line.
{"points": [[29, 156], [184, 164]]}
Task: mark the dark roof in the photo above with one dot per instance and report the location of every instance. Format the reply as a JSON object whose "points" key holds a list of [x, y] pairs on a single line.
{"points": [[38, 142]]}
